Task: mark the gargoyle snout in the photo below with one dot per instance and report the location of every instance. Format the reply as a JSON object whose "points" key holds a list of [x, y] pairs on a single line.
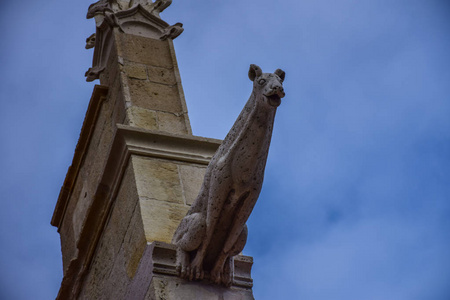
{"points": [[278, 90], [275, 93]]}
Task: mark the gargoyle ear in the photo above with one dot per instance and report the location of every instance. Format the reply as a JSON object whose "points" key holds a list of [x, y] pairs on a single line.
{"points": [[254, 72], [280, 74]]}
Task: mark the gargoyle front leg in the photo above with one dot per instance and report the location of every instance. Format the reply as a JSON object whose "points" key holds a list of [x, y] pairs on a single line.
{"points": [[188, 237], [196, 267], [223, 270], [182, 263], [236, 239], [239, 228]]}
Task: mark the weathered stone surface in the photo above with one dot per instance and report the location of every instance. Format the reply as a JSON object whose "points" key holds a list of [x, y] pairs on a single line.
{"points": [[191, 180], [110, 74], [119, 114], [173, 123], [155, 96], [80, 211], [135, 70], [91, 167], [113, 238], [127, 259], [173, 289], [214, 229], [161, 219], [142, 118], [144, 50], [135, 243], [161, 75], [117, 282], [157, 180]]}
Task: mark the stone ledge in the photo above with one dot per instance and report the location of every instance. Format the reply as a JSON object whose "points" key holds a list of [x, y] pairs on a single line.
{"points": [[158, 144], [159, 261]]}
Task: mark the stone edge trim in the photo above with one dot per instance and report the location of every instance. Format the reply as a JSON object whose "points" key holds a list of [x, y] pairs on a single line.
{"points": [[98, 96]]}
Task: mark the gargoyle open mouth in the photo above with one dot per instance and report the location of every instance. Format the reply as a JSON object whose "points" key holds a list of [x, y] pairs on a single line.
{"points": [[274, 100]]}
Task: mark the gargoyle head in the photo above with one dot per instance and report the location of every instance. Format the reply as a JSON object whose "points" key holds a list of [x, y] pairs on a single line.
{"points": [[269, 86]]}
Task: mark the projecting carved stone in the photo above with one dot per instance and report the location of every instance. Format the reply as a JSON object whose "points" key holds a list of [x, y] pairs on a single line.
{"points": [[90, 41], [214, 229], [138, 17], [172, 31], [120, 5]]}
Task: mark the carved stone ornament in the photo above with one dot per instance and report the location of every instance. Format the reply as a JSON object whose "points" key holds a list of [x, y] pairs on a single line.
{"points": [[214, 229], [138, 17]]}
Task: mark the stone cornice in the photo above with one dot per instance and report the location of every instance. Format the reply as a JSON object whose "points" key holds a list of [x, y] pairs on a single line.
{"points": [[167, 146]]}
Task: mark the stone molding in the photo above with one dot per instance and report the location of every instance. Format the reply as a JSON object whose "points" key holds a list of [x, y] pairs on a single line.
{"points": [[166, 146], [159, 259]]}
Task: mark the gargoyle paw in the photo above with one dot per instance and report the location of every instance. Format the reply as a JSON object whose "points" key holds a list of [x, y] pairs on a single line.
{"points": [[182, 264], [196, 269]]}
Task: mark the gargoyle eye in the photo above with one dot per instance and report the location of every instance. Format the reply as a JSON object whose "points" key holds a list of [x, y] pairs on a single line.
{"points": [[261, 81]]}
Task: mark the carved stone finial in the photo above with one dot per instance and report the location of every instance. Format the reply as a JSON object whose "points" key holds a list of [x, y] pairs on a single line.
{"points": [[161, 5], [90, 41], [214, 229], [139, 17], [172, 31], [98, 7]]}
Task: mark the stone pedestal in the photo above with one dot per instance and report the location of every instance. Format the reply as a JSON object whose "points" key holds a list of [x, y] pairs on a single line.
{"points": [[156, 279], [136, 170]]}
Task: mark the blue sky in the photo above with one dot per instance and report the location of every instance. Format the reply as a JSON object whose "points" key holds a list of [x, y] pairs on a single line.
{"points": [[356, 200]]}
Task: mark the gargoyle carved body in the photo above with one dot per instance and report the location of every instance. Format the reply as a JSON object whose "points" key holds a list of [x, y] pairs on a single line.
{"points": [[214, 229]]}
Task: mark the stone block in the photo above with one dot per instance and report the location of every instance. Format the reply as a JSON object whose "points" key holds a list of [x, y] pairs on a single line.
{"points": [[81, 208], [172, 123], [161, 75], [134, 243], [176, 289], [157, 180], [142, 118], [144, 50], [95, 282], [155, 96], [112, 240], [161, 219], [191, 181], [127, 260], [116, 284], [116, 96], [109, 75], [135, 70]]}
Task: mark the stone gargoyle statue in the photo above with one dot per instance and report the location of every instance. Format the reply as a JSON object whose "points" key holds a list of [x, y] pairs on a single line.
{"points": [[214, 229]]}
